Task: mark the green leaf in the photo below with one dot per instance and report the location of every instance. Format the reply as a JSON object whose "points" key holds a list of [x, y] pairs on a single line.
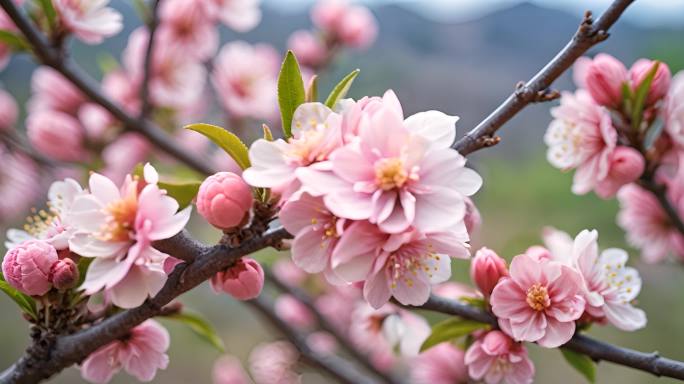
{"points": [[83, 264], [268, 135], [582, 363], [640, 96], [312, 90], [341, 89], [183, 192], [15, 41], [229, 142], [474, 301], [25, 302], [49, 11], [451, 329], [200, 326], [290, 91]]}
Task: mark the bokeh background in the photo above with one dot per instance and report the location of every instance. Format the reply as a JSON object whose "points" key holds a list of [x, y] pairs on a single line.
{"points": [[463, 58]]}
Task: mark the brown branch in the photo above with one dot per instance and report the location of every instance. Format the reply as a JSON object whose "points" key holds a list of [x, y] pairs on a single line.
{"points": [[597, 350], [337, 367], [536, 89], [52, 57], [325, 325], [152, 25], [648, 182]]}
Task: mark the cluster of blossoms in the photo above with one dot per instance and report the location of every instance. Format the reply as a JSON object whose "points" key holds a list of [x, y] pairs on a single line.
{"points": [[612, 142], [339, 24]]}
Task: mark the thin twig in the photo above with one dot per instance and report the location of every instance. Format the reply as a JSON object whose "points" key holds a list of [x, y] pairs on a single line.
{"points": [[587, 35], [152, 25]]}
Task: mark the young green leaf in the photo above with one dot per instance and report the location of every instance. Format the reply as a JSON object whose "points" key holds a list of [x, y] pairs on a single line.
{"points": [[451, 329], [14, 41], [25, 302], [49, 11], [183, 192], [582, 363], [341, 89], [200, 326], [290, 91], [312, 90], [229, 142], [83, 264], [640, 96], [268, 135]]}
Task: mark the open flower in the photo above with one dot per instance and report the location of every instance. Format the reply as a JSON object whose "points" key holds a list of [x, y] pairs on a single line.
{"points": [[90, 20], [494, 358], [539, 301], [117, 227], [187, 26], [240, 15], [441, 364]]}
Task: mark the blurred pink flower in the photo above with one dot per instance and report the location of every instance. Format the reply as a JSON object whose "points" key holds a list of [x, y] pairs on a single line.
{"points": [[96, 121], [90, 20], [441, 364], [140, 354], [326, 14], [244, 77], [495, 358], [123, 154], [472, 219], [57, 135], [274, 363], [674, 110], [288, 308], [27, 267], [539, 302], [353, 25], [7, 24], [240, 15], [224, 200], [18, 180], [8, 111], [626, 166], [486, 269], [322, 342], [660, 84], [117, 227], [123, 89], [288, 272], [50, 90], [308, 48], [243, 281], [187, 26], [581, 136], [228, 370]]}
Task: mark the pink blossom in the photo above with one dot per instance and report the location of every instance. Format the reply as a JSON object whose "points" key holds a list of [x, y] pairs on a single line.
{"points": [[224, 200], [603, 79], [244, 77], [398, 173], [581, 136], [626, 166], [50, 90], [8, 111], [240, 15], [403, 265], [441, 364], [19, 178], [293, 311], [243, 281], [228, 370], [123, 154], [117, 227], [64, 274], [358, 28], [486, 268], [472, 218], [308, 48], [609, 286], [322, 342], [327, 14], [495, 358], [274, 363], [27, 267], [91, 21], [674, 110], [96, 121], [288, 272], [57, 135], [187, 26], [122, 88], [539, 301], [140, 354], [659, 85]]}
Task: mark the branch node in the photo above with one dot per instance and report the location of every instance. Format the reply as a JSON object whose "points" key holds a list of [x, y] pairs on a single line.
{"points": [[489, 141], [546, 95]]}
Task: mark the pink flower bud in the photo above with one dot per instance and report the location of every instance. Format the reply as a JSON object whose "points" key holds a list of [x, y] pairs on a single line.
{"points": [[486, 269], [243, 281], [64, 274], [472, 218], [224, 200], [8, 111], [27, 267], [309, 50], [626, 165], [496, 343], [293, 311], [604, 78], [228, 370], [56, 134], [358, 29], [327, 14], [661, 81]]}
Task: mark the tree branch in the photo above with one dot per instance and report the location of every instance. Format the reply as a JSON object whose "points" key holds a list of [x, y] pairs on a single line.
{"points": [[648, 182], [152, 25], [52, 57], [588, 35], [597, 350]]}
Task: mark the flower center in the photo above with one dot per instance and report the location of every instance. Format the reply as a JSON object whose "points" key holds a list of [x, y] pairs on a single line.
{"points": [[43, 224], [538, 297], [307, 148], [405, 265], [390, 173], [120, 219]]}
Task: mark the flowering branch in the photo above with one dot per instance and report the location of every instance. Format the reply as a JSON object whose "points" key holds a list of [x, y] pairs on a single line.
{"points": [[660, 192], [52, 57], [588, 34]]}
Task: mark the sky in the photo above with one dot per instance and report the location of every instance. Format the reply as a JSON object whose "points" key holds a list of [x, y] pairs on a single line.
{"points": [[643, 12]]}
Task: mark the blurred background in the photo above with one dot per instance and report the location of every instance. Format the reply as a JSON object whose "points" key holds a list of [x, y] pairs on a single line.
{"points": [[463, 58]]}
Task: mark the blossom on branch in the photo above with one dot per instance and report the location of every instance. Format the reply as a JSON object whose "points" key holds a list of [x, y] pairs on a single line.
{"points": [[494, 358], [90, 20]]}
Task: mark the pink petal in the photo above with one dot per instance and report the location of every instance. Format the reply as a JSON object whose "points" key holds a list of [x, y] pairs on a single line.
{"points": [[310, 251], [376, 289], [351, 165], [557, 333], [439, 209]]}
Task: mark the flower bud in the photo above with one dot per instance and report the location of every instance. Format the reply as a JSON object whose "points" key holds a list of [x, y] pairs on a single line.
{"points": [[224, 200], [327, 14], [243, 281], [8, 111], [56, 134], [496, 343], [472, 219], [660, 83], [604, 78], [309, 50], [486, 269], [626, 165], [293, 311], [27, 267], [358, 28], [64, 274]]}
